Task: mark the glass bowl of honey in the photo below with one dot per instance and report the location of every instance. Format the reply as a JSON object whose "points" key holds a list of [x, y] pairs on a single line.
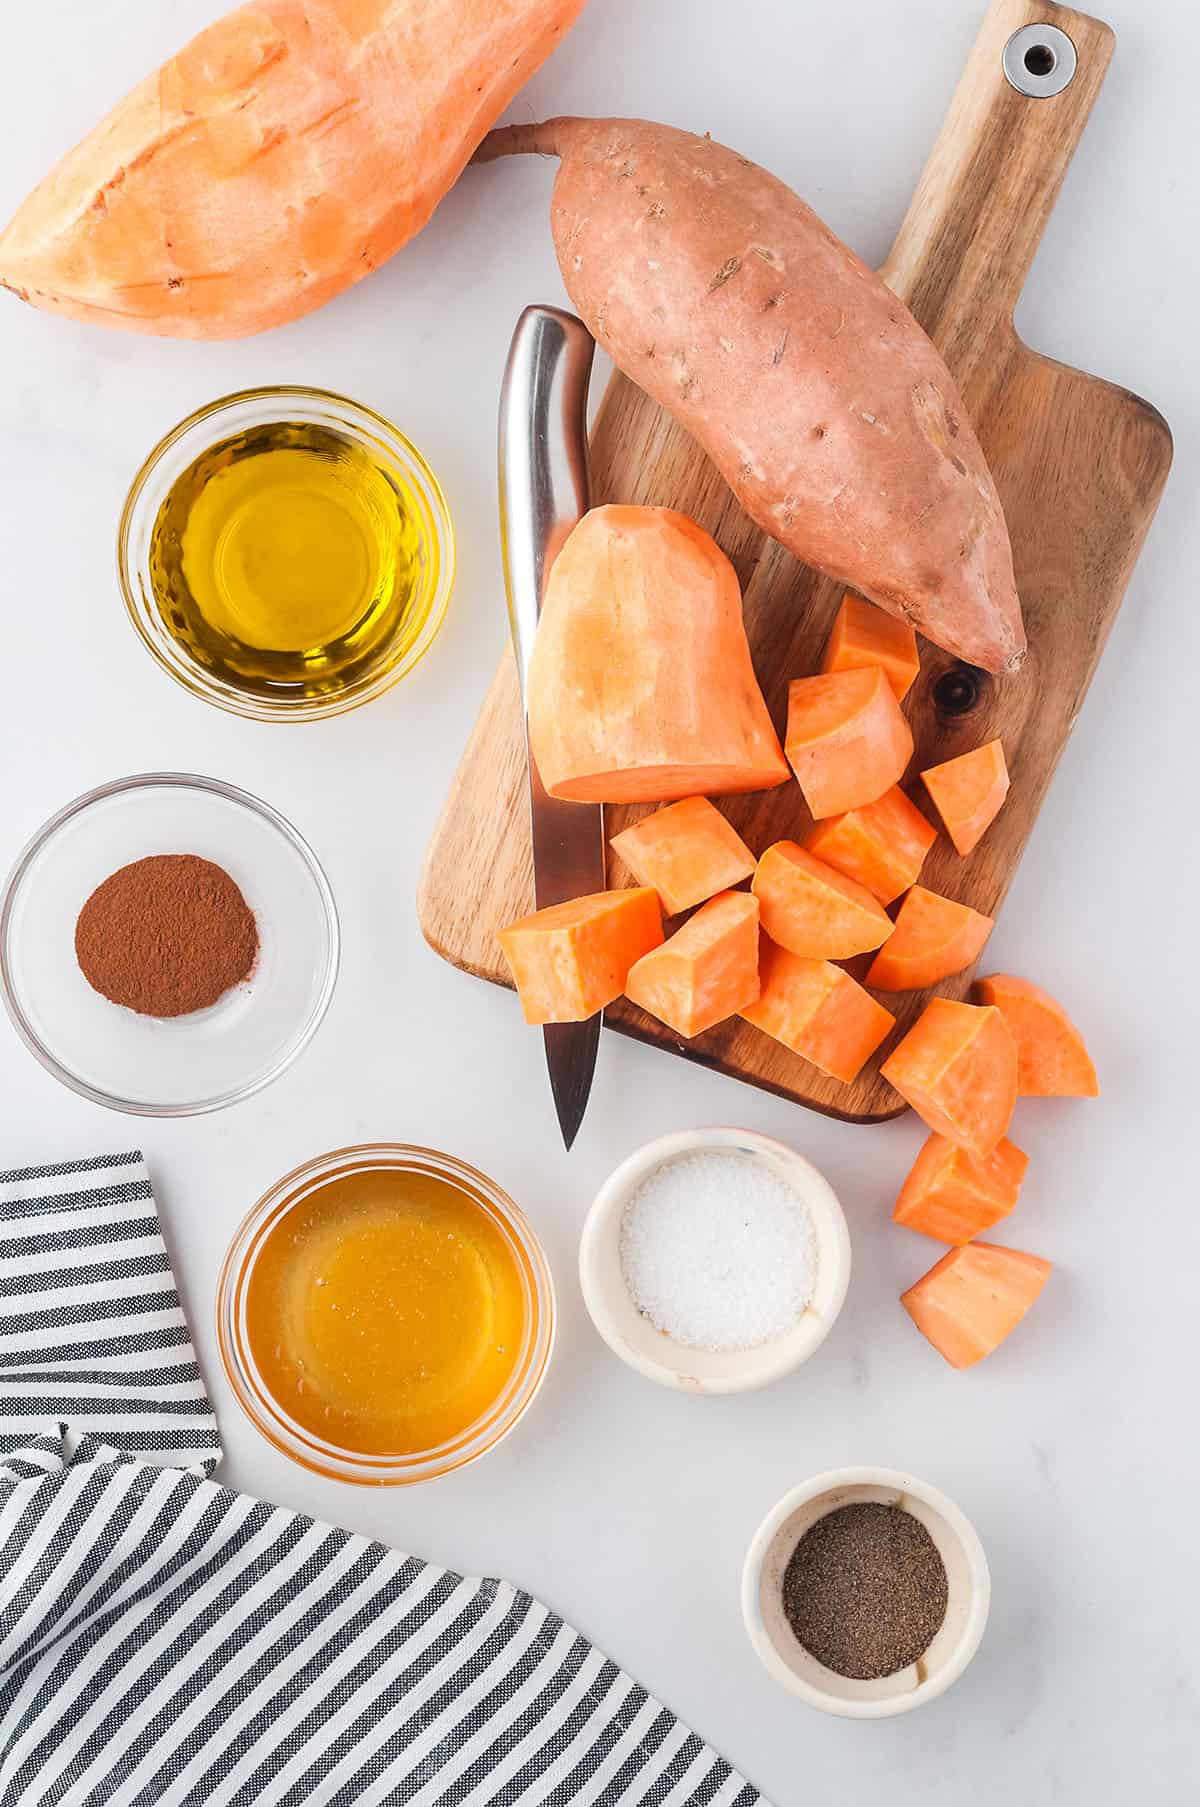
{"points": [[286, 554], [385, 1314]]}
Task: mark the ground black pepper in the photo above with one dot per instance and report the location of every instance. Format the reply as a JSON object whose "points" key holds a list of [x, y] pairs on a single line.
{"points": [[865, 1590]]}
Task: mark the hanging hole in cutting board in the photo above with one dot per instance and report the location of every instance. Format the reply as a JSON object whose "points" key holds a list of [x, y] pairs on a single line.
{"points": [[1040, 61], [959, 690]]}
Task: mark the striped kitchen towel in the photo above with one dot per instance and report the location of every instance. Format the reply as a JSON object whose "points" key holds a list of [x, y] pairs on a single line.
{"points": [[166, 1642]]}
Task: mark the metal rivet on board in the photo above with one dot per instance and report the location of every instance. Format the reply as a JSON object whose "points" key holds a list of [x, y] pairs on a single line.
{"points": [[1040, 61]]}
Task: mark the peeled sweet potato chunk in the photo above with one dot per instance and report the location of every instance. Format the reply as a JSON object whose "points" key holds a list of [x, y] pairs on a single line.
{"points": [[882, 845], [812, 910], [1052, 1058], [957, 1067], [933, 939], [284, 153], [687, 851], [706, 971], [953, 1197], [571, 960], [863, 635], [641, 688], [974, 1298], [847, 741], [818, 1011], [969, 792]]}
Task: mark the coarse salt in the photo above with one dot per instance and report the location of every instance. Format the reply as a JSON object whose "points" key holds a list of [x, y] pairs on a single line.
{"points": [[718, 1251]]}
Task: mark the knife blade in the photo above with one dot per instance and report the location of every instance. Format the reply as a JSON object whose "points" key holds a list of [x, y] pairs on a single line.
{"points": [[543, 492]]}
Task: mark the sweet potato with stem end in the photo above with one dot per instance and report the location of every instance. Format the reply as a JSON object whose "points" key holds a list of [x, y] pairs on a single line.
{"points": [[706, 971], [814, 911], [687, 851], [969, 793], [973, 1298], [957, 1067], [933, 939], [881, 845], [863, 635], [1052, 1057], [572, 959], [283, 154], [953, 1197], [641, 688], [818, 1011], [809, 384], [847, 741]]}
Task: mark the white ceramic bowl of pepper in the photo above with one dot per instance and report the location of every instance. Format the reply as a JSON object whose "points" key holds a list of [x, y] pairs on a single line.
{"points": [[771, 1609], [822, 1266]]}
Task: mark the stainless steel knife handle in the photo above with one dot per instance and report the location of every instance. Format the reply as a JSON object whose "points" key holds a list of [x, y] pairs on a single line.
{"points": [[543, 458]]}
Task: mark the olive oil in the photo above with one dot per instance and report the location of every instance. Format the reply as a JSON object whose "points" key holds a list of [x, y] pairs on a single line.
{"points": [[288, 561], [386, 1312]]}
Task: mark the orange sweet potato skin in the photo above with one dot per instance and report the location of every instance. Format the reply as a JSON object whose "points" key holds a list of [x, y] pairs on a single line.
{"points": [[809, 384], [280, 156]]}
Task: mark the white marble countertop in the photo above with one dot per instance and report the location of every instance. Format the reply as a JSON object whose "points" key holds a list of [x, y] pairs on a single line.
{"points": [[626, 1507]]}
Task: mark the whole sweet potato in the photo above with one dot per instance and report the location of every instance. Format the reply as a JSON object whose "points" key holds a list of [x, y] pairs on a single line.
{"points": [[284, 153], [809, 384]]}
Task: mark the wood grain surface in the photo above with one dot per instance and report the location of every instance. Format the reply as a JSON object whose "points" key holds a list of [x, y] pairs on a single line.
{"points": [[1080, 465]]}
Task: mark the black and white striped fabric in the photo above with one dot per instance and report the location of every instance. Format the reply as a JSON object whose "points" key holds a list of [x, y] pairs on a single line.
{"points": [[165, 1642]]}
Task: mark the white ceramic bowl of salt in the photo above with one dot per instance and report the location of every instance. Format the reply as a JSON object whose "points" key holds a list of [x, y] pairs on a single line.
{"points": [[715, 1260]]}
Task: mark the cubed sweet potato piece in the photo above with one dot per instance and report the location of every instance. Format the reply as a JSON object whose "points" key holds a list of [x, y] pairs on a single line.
{"points": [[863, 635], [1052, 1057], [974, 1298], [968, 792], [706, 971], [933, 939], [953, 1197], [687, 851], [847, 741], [571, 960], [957, 1067], [817, 1010], [812, 910], [882, 845]]}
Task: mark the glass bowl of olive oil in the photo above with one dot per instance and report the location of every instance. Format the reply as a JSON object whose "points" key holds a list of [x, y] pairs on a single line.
{"points": [[286, 554]]}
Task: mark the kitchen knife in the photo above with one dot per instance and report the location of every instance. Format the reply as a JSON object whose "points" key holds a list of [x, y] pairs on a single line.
{"points": [[543, 492]]}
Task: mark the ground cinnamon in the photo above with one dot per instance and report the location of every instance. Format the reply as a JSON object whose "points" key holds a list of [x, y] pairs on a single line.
{"points": [[166, 935]]}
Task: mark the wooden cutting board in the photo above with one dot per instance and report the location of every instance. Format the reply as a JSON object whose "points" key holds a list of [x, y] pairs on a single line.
{"points": [[1080, 465]]}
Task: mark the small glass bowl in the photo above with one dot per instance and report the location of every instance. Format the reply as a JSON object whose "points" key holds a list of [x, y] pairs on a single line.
{"points": [[304, 1446], [180, 1066], [238, 413]]}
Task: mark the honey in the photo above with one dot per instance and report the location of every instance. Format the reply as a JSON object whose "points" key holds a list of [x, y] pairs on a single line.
{"points": [[288, 561], [386, 1311]]}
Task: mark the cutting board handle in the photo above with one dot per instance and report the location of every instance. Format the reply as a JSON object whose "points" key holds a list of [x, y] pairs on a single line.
{"points": [[990, 185]]}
